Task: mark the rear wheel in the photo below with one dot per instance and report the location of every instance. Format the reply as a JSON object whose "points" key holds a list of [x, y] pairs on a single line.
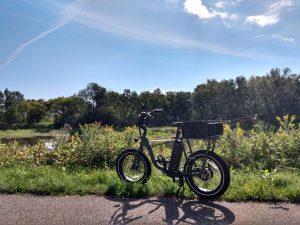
{"points": [[210, 175], [133, 166]]}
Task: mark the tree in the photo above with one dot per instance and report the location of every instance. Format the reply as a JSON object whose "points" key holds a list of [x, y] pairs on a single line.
{"points": [[204, 100], [276, 93], [178, 105], [154, 100], [96, 97], [35, 110], [2, 109], [94, 94], [14, 113], [71, 110], [245, 103], [128, 107]]}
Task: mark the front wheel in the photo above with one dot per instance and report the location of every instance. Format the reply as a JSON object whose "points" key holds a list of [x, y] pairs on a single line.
{"points": [[207, 174], [133, 166]]}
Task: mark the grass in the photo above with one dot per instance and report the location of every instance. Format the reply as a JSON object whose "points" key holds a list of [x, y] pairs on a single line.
{"points": [[262, 186], [49, 180], [24, 133], [161, 132], [43, 130]]}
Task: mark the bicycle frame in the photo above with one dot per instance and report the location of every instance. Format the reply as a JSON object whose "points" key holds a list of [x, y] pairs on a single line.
{"points": [[144, 143]]}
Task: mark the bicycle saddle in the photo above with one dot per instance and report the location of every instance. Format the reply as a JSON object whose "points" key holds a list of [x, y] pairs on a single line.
{"points": [[177, 124]]}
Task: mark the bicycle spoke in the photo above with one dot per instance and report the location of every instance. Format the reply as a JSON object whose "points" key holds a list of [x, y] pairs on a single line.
{"points": [[209, 176], [133, 172]]}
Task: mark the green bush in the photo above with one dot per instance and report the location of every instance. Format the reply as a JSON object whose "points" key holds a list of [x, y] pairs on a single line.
{"points": [[97, 146], [15, 154], [262, 149]]}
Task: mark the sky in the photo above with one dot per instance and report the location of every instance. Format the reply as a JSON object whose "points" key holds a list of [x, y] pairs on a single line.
{"points": [[52, 48]]}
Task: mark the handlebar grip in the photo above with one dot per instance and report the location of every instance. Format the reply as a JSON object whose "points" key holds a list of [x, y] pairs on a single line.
{"points": [[158, 110]]}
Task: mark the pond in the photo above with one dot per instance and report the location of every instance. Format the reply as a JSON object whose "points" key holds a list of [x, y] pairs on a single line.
{"points": [[48, 141]]}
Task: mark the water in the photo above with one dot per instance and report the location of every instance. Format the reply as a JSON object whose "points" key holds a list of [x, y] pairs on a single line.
{"points": [[25, 142]]}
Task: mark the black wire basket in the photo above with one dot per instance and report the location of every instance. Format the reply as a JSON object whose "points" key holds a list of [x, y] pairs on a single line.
{"points": [[202, 129]]}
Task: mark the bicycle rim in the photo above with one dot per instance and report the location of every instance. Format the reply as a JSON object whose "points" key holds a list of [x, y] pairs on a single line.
{"points": [[209, 177], [133, 167]]}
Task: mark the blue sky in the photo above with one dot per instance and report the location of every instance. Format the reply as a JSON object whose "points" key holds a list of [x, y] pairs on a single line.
{"points": [[51, 48]]}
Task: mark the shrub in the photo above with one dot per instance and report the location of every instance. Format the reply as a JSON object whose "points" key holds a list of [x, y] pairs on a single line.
{"points": [[260, 149], [95, 146], [15, 154]]}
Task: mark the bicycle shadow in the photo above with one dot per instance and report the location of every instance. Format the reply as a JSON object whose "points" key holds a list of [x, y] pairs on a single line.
{"points": [[171, 211]]}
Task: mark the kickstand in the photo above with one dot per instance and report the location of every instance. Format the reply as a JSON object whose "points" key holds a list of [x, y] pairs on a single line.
{"points": [[181, 185]]}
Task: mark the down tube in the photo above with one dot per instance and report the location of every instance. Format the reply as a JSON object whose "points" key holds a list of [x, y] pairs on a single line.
{"points": [[145, 143]]}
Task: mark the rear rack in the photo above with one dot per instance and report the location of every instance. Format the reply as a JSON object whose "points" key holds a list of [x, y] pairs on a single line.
{"points": [[204, 129]]}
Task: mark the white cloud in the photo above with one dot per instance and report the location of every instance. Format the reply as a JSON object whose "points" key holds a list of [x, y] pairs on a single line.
{"points": [[86, 12], [262, 20], [220, 4], [276, 7], [277, 37], [271, 16], [105, 16], [283, 38], [196, 7], [94, 14], [236, 2]]}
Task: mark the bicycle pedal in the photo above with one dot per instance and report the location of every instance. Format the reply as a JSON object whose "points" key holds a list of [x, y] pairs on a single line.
{"points": [[161, 159], [179, 179], [176, 179]]}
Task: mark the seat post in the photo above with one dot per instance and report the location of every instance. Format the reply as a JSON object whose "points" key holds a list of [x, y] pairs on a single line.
{"points": [[190, 147], [178, 132]]}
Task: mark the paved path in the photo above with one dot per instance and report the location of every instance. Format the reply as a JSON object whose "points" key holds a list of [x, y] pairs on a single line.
{"points": [[30, 210]]}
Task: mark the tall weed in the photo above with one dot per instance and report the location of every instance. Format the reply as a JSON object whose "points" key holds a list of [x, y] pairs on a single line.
{"points": [[260, 149], [95, 145]]}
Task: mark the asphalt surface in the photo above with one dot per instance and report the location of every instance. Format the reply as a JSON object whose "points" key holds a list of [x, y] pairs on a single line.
{"points": [[30, 210]]}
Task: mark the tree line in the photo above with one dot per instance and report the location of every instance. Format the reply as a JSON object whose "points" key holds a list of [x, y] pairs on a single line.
{"points": [[276, 93]]}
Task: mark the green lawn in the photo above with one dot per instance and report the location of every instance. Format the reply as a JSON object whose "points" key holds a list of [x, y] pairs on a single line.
{"points": [[49, 180], [44, 131], [24, 133]]}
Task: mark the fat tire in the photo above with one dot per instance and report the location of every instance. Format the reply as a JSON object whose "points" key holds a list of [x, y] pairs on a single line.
{"points": [[142, 157], [225, 175]]}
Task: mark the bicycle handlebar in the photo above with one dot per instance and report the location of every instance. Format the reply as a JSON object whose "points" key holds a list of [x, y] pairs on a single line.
{"points": [[157, 110], [144, 118]]}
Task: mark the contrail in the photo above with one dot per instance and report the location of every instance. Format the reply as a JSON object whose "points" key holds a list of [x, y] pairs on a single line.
{"points": [[66, 16], [17, 52]]}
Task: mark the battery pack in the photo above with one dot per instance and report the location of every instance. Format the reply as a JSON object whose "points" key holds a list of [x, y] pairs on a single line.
{"points": [[176, 155]]}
